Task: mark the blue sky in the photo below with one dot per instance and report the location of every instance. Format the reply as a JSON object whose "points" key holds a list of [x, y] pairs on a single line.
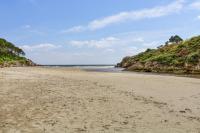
{"points": [[94, 32]]}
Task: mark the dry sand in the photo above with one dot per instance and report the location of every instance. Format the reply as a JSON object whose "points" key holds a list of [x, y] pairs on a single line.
{"points": [[61, 100]]}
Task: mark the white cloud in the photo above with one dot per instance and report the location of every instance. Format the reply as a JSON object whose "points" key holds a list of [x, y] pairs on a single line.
{"points": [[61, 58], [139, 39], [198, 17], [109, 50], [107, 42], [195, 5], [133, 50], [151, 44], [124, 44], [102, 43], [40, 47], [121, 44], [131, 16], [74, 29]]}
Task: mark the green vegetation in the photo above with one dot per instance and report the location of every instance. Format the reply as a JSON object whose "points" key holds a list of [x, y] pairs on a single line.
{"points": [[10, 55], [174, 39], [176, 56]]}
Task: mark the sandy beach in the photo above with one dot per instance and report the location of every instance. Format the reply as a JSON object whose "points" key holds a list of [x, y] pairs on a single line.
{"points": [[64, 100]]}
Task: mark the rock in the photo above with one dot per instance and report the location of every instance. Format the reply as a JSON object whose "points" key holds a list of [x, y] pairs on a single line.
{"points": [[179, 58]]}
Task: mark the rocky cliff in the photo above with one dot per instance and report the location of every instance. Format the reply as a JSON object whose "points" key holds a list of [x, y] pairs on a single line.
{"points": [[174, 57]]}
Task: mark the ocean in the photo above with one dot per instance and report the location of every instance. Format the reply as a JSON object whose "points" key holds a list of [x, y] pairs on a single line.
{"points": [[95, 68]]}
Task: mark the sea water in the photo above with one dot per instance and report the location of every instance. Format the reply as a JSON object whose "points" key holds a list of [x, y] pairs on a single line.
{"points": [[96, 68]]}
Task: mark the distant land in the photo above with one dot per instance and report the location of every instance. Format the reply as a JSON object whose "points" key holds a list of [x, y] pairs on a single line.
{"points": [[10, 55], [175, 56]]}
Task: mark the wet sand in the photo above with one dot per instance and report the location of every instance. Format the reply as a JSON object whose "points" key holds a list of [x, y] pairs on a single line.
{"points": [[64, 100]]}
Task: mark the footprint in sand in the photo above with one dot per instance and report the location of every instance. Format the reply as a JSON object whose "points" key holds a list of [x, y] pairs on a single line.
{"points": [[106, 126], [185, 110], [182, 111]]}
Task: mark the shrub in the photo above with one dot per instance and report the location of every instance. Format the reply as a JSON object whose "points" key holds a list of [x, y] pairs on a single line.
{"points": [[193, 58], [165, 59]]}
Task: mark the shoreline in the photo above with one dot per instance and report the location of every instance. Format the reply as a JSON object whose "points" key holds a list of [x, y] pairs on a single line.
{"points": [[121, 70], [197, 76], [111, 69]]}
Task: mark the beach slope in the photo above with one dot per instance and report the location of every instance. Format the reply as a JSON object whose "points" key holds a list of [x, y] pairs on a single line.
{"points": [[64, 100]]}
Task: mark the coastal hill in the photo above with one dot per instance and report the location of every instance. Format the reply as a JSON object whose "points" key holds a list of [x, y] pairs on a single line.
{"points": [[176, 56], [10, 55]]}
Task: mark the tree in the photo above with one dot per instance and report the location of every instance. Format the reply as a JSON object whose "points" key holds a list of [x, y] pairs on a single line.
{"points": [[175, 39]]}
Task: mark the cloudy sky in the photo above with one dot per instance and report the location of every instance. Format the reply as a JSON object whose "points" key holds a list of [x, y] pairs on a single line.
{"points": [[94, 31]]}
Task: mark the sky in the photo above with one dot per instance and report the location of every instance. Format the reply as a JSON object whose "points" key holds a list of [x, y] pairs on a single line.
{"points": [[94, 31]]}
